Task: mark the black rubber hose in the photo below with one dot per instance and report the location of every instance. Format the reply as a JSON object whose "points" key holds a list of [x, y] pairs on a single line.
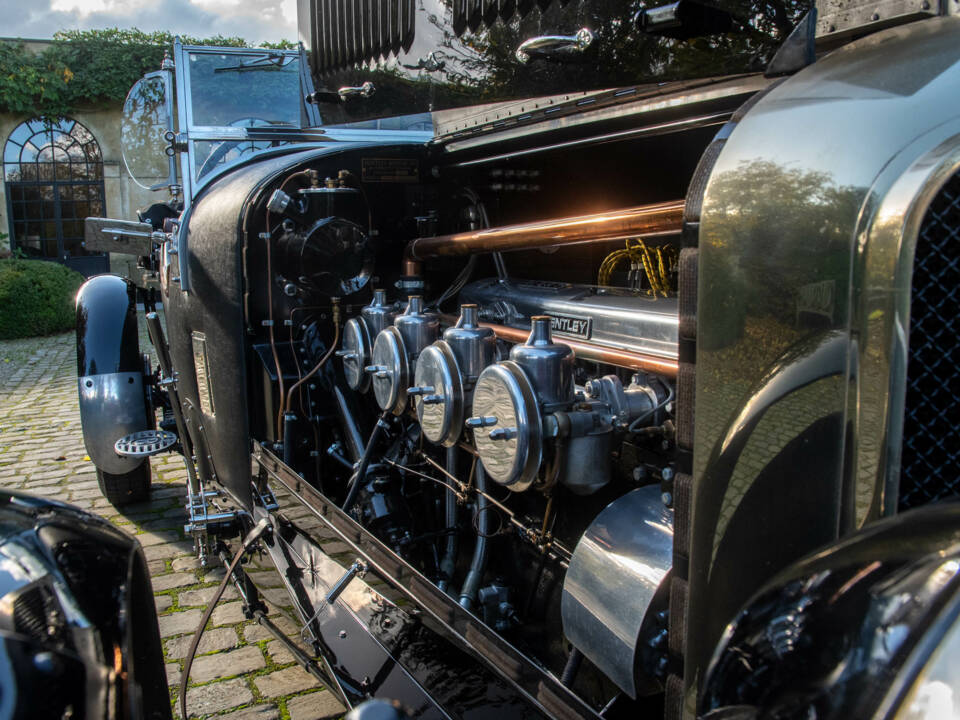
{"points": [[288, 440], [572, 667], [249, 540], [357, 480], [449, 562], [479, 562]]}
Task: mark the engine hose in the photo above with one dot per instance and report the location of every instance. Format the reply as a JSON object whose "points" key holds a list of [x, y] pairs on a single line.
{"points": [[357, 480], [249, 540], [449, 562], [572, 667], [479, 562]]}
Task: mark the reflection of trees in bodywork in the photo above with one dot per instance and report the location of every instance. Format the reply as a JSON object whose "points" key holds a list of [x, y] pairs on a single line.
{"points": [[482, 66], [782, 232]]}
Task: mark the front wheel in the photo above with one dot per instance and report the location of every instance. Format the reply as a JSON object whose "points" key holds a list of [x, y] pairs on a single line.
{"points": [[130, 487]]}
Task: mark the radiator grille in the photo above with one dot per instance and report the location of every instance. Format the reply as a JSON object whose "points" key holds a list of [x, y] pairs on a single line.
{"points": [[930, 466]]}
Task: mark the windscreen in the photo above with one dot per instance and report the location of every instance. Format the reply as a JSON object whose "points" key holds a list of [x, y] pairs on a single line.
{"points": [[244, 90]]}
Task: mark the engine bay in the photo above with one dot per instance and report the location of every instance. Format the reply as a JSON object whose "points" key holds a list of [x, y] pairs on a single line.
{"points": [[487, 389]]}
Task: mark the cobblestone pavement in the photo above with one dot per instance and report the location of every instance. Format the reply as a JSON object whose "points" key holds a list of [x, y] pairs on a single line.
{"points": [[241, 672]]}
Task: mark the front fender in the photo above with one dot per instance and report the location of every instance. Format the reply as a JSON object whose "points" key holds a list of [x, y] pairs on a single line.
{"points": [[109, 370]]}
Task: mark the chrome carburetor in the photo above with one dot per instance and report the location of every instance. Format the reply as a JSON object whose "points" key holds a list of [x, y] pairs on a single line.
{"points": [[509, 402], [527, 407], [446, 374], [395, 353], [357, 333]]}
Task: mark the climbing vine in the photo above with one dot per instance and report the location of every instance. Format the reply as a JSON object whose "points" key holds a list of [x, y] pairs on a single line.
{"points": [[87, 68]]}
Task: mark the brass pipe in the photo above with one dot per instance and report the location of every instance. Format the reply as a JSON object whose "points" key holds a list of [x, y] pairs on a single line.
{"points": [[590, 351], [643, 221]]}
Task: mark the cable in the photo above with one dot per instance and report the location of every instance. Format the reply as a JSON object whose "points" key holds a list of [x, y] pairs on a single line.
{"points": [[273, 343], [657, 273], [571, 668], [357, 480], [333, 346], [464, 275], [249, 540], [633, 426]]}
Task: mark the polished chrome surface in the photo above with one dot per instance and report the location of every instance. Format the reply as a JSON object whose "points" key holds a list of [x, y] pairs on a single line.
{"points": [[884, 318], [378, 314], [389, 372], [586, 462], [111, 406], [646, 220], [591, 351], [201, 365], [850, 148], [616, 569], [364, 91], [438, 394], [418, 329], [145, 443], [355, 354], [119, 236], [555, 45], [548, 365], [473, 346], [608, 317], [506, 425]]}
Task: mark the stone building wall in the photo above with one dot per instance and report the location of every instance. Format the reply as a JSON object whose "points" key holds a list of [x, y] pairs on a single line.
{"points": [[122, 195]]}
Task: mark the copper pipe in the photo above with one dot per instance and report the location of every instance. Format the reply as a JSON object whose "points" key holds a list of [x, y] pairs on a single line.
{"points": [[643, 221], [589, 351], [410, 267]]}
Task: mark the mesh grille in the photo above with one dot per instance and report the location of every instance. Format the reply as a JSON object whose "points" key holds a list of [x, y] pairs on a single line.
{"points": [[930, 466]]}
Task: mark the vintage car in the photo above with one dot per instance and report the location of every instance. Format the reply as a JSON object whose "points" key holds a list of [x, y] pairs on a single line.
{"points": [[617, 343]]}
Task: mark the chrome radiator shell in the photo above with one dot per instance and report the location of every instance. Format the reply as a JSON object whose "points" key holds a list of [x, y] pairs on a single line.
{"points": [[608, 317]]}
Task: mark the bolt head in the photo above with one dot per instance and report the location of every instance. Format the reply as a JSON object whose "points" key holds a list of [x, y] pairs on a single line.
{"points": [[343, 634]]}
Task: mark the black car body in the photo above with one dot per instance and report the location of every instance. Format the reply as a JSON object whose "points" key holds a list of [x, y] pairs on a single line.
{"points": [[740, 297], [78, 628]]}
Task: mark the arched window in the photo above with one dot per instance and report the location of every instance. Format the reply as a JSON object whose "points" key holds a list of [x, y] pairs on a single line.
{"points": [[53, 172]]}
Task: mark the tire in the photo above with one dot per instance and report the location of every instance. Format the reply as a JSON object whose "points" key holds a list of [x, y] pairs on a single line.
{"points": [[131, 487]]}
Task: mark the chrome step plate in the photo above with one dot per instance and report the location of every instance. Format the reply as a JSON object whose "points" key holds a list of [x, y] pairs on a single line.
{"points": [[145, 443]]}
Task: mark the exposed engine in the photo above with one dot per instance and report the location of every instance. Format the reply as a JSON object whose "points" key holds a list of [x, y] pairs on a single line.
{"points": [[518, 451]]}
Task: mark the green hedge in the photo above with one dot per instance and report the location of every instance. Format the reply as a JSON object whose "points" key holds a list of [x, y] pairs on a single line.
{"points": [[36, 298]]}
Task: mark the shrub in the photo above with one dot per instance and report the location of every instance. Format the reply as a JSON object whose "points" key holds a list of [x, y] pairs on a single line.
{"points": [[36, 297]]}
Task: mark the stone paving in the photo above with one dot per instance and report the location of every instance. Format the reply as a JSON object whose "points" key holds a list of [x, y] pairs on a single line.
{"points": [[241, 672]]}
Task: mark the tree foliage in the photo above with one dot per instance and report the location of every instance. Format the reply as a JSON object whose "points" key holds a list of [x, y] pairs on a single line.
{"points": [[83, 68]]}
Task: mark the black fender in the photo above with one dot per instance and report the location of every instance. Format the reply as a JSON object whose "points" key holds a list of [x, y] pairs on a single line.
{"points": [[109, 370], [841, 633]]}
